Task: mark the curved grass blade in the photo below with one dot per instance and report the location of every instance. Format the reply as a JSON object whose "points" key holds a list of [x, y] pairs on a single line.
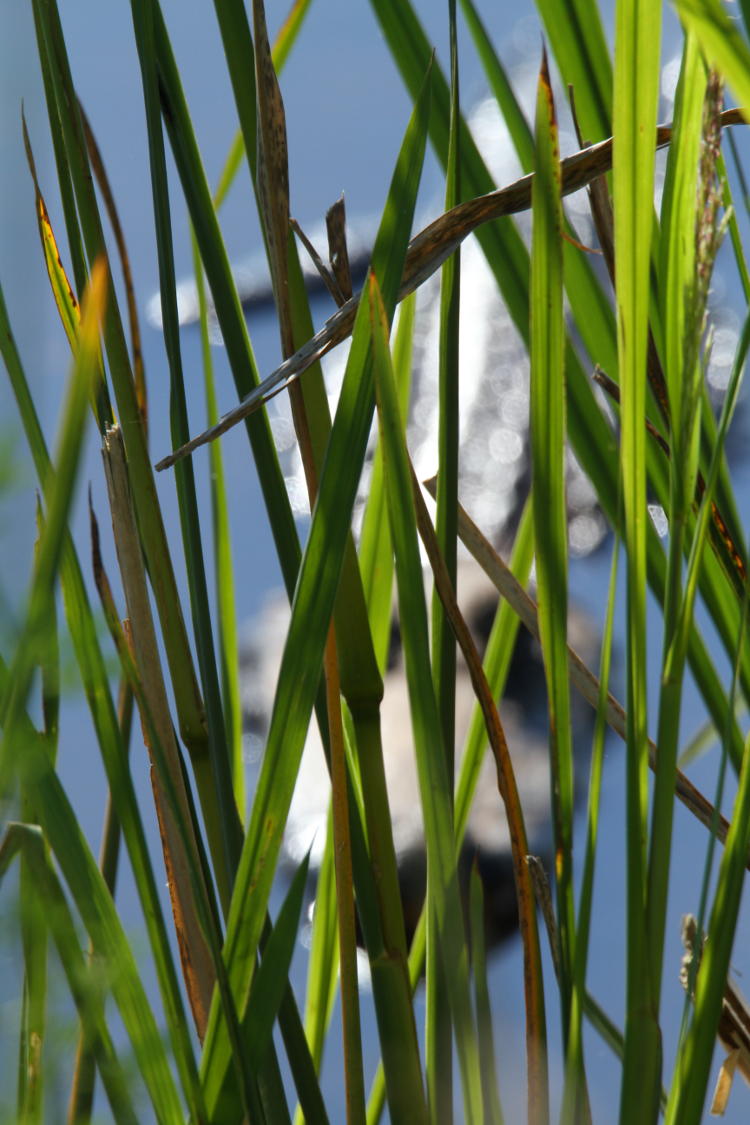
{"points": [[97, 910], [228, 309], [721, 42], [496, 662], [27, 840], [513, 115], [69, 132], [62, 290], [31, 649], [212, 770], [95, 677]]}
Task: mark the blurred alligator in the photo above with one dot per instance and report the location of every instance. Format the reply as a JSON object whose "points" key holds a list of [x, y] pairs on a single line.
{"points": [[494, 481], [523, 712]]}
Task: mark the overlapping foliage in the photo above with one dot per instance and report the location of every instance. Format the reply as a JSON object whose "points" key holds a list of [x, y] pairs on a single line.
{"points": [[643, 320]]}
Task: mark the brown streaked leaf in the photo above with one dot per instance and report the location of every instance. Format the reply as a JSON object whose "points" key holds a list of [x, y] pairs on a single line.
{"points": [[273, 169], [273, 196], [533, 983], [427, 251], [338, 252], [181, 858]]}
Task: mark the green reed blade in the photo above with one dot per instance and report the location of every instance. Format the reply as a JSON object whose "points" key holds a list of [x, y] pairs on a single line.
{"points": [[375, 553], [438, 1040], [434, 782], [214, 779], [576, 35], [638, 28], [682, 326], [27, 841], [547, 428]]}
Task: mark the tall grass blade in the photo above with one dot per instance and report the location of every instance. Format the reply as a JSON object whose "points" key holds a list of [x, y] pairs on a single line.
{"points": [[586, 896], [213, 770], [536, 1041], [226, 301], [638, 27], [683, 317], [224, 587], [434, 783], [438, 1044], [551, 538]]}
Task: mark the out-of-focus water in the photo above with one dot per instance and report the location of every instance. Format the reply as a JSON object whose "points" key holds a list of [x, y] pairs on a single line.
{"points": [[345, 121]]}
